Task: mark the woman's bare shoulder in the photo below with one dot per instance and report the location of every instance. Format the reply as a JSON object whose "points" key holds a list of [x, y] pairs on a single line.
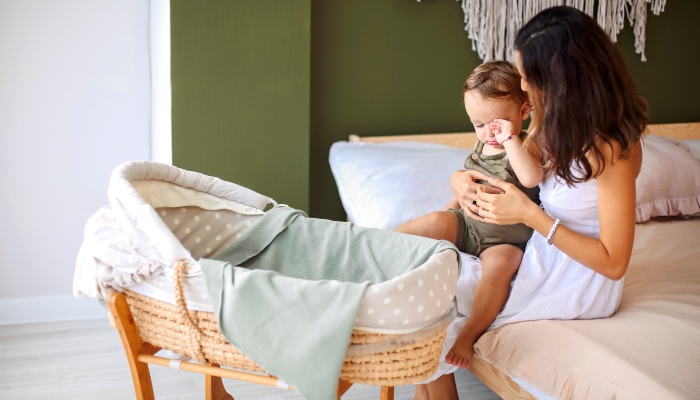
{"points": [[612, 155]]}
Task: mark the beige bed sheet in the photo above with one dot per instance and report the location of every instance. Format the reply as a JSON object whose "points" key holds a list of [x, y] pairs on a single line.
{"points": [[650, 349]]}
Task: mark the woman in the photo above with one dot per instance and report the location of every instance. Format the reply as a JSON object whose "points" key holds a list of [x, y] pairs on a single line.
{"points": [[588, 124]]}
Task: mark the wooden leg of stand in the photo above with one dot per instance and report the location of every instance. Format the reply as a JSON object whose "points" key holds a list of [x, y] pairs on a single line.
{"points": [[343, 387], [214, 388], [387, 393], [129, 333]]}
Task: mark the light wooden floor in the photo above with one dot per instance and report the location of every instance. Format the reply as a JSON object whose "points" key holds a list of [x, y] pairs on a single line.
{"points": [[84, 360]]}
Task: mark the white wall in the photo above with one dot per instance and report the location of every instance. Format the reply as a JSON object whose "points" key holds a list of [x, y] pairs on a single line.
{"points": [[161, 93], [74, 103]]}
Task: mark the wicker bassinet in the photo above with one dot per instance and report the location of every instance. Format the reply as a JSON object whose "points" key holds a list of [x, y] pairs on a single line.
{"points": [[196, 334]]}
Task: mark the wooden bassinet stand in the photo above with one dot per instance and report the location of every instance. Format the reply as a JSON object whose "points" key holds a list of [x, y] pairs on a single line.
{"points": [[147, 325]]}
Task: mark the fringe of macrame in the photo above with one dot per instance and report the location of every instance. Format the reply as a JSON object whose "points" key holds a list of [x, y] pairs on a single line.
{"points": [[492, 24]]}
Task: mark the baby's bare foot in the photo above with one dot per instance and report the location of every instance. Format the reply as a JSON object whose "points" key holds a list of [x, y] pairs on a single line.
{"points": [[462, 352]]}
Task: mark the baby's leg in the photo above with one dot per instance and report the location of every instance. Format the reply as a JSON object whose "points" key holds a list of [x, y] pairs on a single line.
{"points": [[498, 266], [440, 225]]}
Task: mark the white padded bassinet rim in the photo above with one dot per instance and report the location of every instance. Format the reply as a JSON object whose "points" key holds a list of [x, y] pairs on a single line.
{"points": [[123, 175], [138, 218]]}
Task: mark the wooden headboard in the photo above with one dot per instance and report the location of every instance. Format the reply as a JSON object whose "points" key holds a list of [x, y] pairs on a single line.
{"points": [[467, 140]]}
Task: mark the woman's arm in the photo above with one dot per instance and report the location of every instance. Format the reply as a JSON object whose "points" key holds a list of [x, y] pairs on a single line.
{"points": [[526, 164], [609, 255]]}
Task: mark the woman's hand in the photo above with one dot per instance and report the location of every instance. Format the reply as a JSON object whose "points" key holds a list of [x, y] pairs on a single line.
{"points": [[509, 208], [464, 187]]}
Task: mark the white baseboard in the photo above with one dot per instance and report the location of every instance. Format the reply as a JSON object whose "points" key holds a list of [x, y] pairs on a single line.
{"points": [[25, 310]]}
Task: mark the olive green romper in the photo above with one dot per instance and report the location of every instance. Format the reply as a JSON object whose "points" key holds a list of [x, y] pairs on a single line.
{"points": [[473, 237]]}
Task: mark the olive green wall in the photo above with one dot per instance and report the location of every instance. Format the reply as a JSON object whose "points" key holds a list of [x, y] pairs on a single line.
{"points": [[670, 79], [377, 67], [384, 67], [240, 80]]}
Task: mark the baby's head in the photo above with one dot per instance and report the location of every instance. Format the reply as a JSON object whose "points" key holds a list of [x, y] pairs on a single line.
{"points": [[493, 91]]}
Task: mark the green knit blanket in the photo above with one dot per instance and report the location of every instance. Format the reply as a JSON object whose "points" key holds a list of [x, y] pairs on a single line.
{"points": [[287, 291]]}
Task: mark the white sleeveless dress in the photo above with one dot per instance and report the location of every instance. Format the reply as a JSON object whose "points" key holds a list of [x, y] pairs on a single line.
{"points": [[549, 284]]}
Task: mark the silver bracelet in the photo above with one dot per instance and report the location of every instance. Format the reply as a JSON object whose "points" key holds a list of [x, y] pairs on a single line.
{"points": [[551, 231]]}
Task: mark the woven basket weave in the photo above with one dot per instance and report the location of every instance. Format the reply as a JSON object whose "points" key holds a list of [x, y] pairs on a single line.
{"points": [[196, 334]]}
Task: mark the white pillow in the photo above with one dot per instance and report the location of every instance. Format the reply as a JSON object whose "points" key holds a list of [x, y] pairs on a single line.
{"points": [[669, 182], [384, 185]]}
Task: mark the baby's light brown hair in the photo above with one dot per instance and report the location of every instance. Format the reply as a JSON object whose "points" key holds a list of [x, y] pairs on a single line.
{"points": [[496, 79]]}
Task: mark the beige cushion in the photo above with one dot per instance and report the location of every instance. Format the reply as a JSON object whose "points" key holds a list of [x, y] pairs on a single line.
{"points": [[650, 349]]}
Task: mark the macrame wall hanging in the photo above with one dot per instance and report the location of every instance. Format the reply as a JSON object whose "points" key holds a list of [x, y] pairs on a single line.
{"points": [[493, 24]]}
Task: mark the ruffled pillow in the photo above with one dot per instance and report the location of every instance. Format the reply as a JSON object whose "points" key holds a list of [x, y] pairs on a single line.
{"points": [[669, 182]]}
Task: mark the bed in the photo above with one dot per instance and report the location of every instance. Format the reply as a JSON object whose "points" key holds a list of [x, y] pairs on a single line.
{"points": [[649, 349]]}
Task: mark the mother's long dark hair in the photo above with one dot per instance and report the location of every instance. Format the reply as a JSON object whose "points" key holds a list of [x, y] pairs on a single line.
{"points": [[581, 89]]}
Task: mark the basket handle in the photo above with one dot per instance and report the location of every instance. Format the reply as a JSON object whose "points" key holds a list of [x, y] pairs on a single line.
{"points": [[194, 335]]}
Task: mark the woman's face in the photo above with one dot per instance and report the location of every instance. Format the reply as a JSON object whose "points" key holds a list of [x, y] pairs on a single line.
{"points": [[523, 82]]}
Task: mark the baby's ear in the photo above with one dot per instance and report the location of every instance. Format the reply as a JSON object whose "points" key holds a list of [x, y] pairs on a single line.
{"points": [[525, 110]]}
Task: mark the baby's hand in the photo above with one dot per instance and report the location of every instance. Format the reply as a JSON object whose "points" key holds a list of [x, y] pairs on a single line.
{"points": [[501, 128]]}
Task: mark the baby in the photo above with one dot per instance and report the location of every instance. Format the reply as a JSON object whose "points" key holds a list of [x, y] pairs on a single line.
{"points": [[497, 106]]}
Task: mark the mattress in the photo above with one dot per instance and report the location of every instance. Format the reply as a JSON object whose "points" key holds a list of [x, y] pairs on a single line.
{"points": [[650, 349], [403, 304]]}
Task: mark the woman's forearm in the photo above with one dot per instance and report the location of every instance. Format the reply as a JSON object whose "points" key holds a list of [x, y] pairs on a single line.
{"points": [[589, 252]]}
